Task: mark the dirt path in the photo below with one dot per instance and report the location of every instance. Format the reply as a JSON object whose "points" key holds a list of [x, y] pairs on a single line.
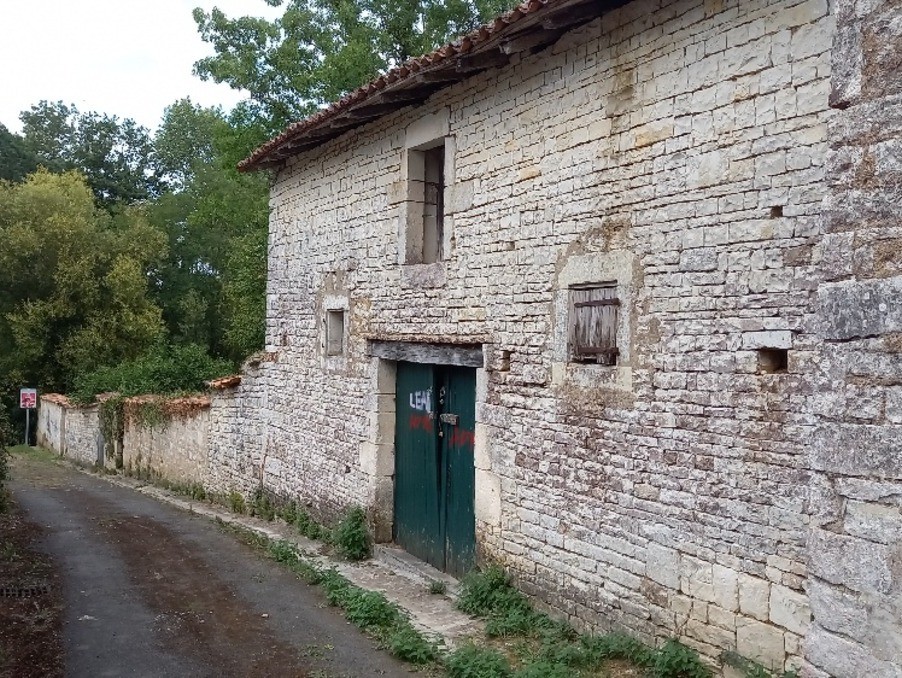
{"points": [[153, 591]]}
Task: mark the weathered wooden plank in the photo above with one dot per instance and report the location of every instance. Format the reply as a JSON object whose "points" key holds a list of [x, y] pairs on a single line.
{"points": [[430, 354]]}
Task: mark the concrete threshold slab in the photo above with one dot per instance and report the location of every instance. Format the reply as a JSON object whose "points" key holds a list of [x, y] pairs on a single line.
{"points": [[402, 578]]}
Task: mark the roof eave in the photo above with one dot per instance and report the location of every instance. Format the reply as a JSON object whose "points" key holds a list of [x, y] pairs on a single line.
{"points": [[530, 27]]}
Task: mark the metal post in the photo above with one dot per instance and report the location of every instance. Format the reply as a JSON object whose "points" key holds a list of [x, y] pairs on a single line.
{"points": [[27, 424]]}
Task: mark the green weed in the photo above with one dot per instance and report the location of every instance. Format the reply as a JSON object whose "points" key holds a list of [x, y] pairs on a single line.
{"points": [[437, 587], [675, 660], [752, 669], [473, 661], [236, 502], [351, 536], [261, 505]]}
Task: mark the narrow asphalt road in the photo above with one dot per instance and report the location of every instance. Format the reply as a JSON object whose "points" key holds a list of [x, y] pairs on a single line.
{"points": [[151, 590]]}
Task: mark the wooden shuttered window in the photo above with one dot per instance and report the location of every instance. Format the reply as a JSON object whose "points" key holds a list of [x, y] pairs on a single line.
{"points": [[594, 317]]}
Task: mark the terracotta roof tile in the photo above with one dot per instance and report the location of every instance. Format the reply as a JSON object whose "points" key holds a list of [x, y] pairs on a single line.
{"points": [[277, 149]]}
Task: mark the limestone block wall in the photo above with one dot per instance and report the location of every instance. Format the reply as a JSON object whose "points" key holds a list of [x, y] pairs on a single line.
{"points": [[82, 440], [173, 443], [237, 461], [855, 544], [676, 148], [52, 421]]}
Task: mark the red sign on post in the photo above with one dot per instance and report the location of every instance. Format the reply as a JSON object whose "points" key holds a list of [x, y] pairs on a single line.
{"points": [[28, 398]]}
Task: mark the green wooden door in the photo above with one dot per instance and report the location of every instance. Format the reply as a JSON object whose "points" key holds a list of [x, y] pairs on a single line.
{"points": [[457, 401], [434, 486]]}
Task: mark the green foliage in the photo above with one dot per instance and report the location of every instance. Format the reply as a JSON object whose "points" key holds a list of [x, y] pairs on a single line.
{"points": [[211, 285], [408, 645], [615, 646], [112, 426], [319, 50], [73, 282], [437, 587], [114, 155], [351, 536], [6, 440], [752, 669], [236, 502], [310, 528], [489, 594], [675, 660], [473, 661], [262, 506], [164, 370], [16, 159], [371, 611], [544, 669]]}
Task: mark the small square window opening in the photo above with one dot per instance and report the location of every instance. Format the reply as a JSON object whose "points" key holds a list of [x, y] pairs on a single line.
{"points": [[335, 332], [594, 319], [773, 360]]}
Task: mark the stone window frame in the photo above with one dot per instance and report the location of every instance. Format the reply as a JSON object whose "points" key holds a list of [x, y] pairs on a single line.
{"points": [[618, 268], [426, 133]]}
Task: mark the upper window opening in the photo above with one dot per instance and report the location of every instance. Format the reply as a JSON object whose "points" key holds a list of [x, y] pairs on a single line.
{"points": [[426, 208], [335, 332], [594, 318], [433, 203]]}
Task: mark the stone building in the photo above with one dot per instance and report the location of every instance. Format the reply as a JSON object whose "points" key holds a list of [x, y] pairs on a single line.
{"points": [[610, 293]]}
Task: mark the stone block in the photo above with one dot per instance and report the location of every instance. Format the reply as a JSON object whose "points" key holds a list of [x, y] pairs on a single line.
{"points": [[855, 309], [789, 609], [857, 450], [662, 565], [754, 597], [699, 259], [857, 564], [838, 610], [726, 587], [459, 197], [760, 642], [376, 460], [767, 339], [874, 522], [488, 498], [843, 658]]}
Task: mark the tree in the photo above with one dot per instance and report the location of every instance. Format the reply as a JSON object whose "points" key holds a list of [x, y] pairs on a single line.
{"points": [[73, 282], [115, 156], [16, 161], [209, 219], [185, 141], [319, 50]]}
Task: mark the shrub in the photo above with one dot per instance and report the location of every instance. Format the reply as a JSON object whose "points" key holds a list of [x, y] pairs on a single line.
{"points": [[165, 370], [351, 536]]}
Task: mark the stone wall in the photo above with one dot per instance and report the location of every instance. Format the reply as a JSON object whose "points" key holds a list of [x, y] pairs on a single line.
{"points": [[82, 439], [855, 545], [168, 437], [52, 421], [237, 460], [677, 148]]}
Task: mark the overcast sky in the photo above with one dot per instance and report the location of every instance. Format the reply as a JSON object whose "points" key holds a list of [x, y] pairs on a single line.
{"points": [[130, 58]]}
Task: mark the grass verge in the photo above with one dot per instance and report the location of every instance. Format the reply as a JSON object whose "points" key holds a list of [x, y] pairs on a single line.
{"points": [[371, 611]]}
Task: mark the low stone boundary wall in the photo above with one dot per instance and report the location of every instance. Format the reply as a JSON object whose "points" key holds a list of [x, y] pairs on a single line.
{"points": [[167, 438], [71, 430]]}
